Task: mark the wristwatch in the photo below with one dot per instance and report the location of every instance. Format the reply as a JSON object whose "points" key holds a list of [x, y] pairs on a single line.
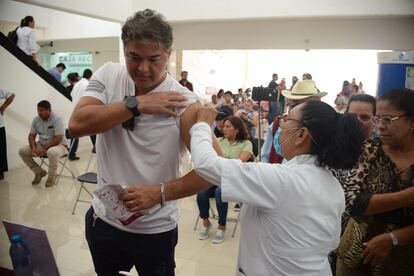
{"points": [[131, 103], [394, 239]]}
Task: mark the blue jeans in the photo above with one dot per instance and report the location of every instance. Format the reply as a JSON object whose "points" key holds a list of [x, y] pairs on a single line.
{"points": [[203, 203]]}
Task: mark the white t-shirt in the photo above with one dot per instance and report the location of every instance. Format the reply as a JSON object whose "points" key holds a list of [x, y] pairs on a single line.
{"points": [[26, 40], [4, 95], [78, 90], [291, 219], [149, 154]]}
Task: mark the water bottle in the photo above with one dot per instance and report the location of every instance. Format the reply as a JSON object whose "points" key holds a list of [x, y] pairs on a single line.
{"points": [[20, 256]]}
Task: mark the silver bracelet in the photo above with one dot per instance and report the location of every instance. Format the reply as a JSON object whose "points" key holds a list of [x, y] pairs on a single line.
{"points": [[394, 239], [162, 194]]}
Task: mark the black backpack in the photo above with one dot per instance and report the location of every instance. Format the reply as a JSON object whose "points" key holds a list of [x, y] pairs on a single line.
{"points": [[12, 35]]}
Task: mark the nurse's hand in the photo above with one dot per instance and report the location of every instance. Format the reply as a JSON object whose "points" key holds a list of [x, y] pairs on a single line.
{"points": [[141, 197], [207, 115]]}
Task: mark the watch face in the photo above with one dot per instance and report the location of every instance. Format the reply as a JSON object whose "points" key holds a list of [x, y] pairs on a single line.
{"points": [[131, 102]]}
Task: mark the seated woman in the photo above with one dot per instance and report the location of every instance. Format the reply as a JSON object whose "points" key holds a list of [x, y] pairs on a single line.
{"points": [[235, 145], [379, 238]]}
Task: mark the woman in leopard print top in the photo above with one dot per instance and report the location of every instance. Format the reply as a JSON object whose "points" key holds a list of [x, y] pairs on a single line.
{"points": [[379, 238]]}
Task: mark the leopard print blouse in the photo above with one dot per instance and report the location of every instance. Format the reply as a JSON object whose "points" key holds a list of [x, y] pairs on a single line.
{"points": [[375, 173]]}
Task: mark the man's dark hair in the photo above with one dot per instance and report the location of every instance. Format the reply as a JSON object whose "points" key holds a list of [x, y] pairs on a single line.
{"points": [[61, 65], [44, 104], [274, 75], [147, 25], [337, 139], [364, 98], [73, 76], [402, 99], [87, 73], [221, 116], [226, 110], [228, 93], [183, 72]]}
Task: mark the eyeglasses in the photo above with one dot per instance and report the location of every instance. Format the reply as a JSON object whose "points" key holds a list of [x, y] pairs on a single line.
{"points": [[387, 120], [284, 118]]}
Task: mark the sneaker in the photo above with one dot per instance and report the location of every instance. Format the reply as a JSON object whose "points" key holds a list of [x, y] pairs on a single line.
{"points": [[219, 237], [73, 158], [38, 177], [50, 181], [237, 207], [203, 235]]}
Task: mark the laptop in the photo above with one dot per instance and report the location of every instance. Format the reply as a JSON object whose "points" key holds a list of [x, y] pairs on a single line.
{"points": [[42, 256]]}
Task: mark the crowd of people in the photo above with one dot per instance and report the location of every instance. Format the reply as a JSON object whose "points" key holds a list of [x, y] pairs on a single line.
{"points": [[333, 192]]}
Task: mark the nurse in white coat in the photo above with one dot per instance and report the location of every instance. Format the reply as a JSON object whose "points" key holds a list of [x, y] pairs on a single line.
{"points": [[291, 219]]}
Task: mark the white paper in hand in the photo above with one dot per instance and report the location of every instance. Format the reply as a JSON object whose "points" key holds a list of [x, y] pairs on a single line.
{"points": [[109, 195]]}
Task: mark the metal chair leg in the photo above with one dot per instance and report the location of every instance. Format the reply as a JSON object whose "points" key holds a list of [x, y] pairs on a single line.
{"points": [[195, 225], [77, 199]]}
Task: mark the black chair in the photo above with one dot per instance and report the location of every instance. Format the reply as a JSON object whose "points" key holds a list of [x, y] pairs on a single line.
{"points": [[87, 177]]}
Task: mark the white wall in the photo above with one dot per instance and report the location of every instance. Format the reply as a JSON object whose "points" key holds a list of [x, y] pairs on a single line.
{"points": [[57, 24], [213, 10], [369, 33], [190, 10], [233, 69], [103, 49], [236, 24], [29, 89]]}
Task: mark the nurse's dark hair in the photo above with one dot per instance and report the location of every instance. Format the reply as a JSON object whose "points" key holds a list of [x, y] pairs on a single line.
{"points": [[26, 20], [402, 99], [337, 139], [147, 25]]}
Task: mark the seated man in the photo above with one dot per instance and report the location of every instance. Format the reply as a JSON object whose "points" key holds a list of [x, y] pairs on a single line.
{"points": [[52, 143]]}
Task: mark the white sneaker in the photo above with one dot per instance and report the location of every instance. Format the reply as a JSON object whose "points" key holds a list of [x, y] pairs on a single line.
{"points": [[219, 237], [203, 235]]}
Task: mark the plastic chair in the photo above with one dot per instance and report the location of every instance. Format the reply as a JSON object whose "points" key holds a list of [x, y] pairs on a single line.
{"points": [[214, 216]]}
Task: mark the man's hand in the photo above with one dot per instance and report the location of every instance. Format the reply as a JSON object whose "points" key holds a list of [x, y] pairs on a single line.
{"points": [[141, 197], [38, 152], [161, 103], [207, 115], [377, 249]]}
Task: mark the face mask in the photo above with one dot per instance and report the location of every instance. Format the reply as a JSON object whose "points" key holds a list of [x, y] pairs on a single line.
{"points": [[277, 145]]}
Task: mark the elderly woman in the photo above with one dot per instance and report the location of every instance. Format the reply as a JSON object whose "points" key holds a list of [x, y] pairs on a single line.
{"points": [[291, 222], [292, 218], [379, 238]]}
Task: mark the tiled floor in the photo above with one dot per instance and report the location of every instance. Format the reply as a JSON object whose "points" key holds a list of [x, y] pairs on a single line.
{"points": [[50, 209]]}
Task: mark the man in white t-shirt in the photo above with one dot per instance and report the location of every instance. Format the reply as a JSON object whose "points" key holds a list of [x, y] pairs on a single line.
{"points": [[143, 130]]}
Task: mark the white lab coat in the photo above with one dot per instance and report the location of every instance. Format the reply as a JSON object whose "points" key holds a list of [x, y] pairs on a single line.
{"points": [[291, 219]]}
